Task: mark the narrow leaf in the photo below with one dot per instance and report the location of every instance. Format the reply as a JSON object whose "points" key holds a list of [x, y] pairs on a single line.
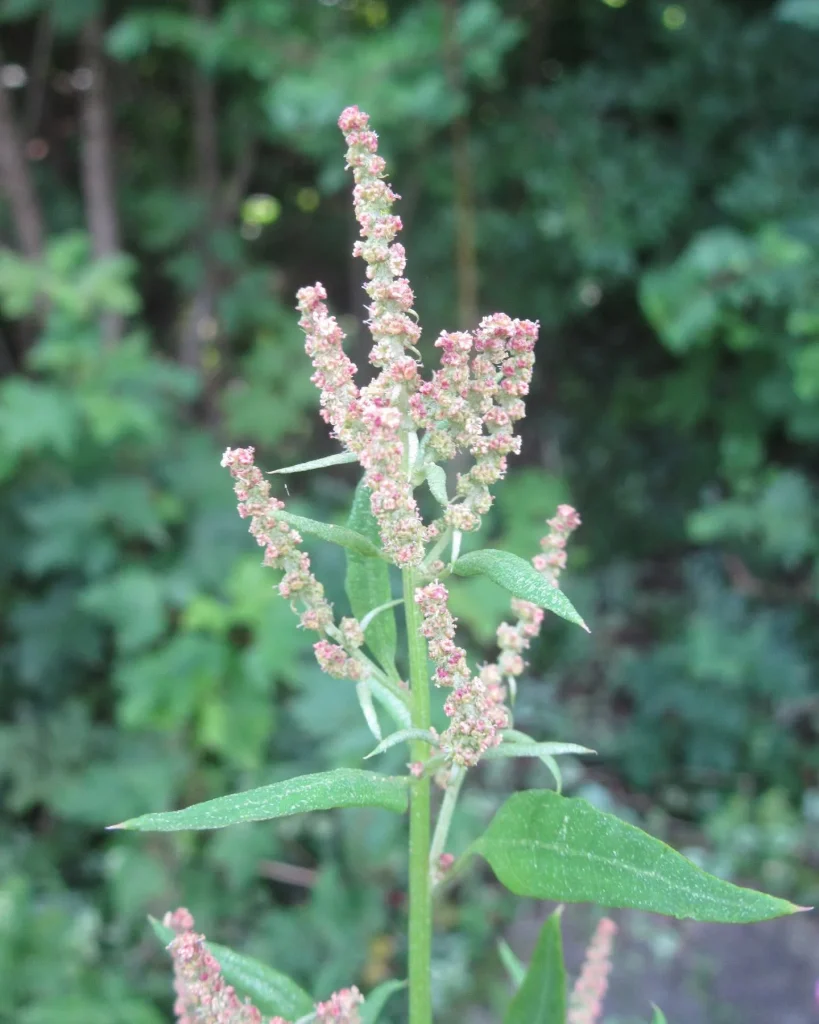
{"points": [[436, 480], [392, 703], [404, 736], [331, 460], [368, 583], [341, 535], [365, 702], [512, 963], [541, 998], [534, 750], [270, 991], [520, 578], [343, 787], [549, 847], [378, 999], [659, 1016]]}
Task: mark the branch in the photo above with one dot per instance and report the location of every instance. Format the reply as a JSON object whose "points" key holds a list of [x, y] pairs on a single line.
{"points": [[98, 160], [16, 183]]}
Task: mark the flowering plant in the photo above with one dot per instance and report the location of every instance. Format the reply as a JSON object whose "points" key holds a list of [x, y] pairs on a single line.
{"points": [[400, 428]]}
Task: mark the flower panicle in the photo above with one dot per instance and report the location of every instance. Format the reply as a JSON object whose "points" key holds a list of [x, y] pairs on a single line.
{"points": [[298, 584], [477, 719], [203, 996], [586, 1001]]}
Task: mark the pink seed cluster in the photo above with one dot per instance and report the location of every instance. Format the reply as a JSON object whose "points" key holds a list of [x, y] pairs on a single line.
{"points": [[513, 640], [202, 995], [477, 719], [586, 1002], [341, 1008], [472, 403], [281, 551], [552, 561]]}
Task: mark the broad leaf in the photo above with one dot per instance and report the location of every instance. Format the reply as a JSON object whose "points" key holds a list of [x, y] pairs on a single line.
{"points": [[549, 847], [330, 460], [541, 998], [341, 535], [377, 1000], [512, 963], [273, 993], [344, 787], [520, 578], [368, 583]]}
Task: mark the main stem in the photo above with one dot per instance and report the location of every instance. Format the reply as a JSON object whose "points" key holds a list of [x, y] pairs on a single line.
{"points": [[420, 901]]}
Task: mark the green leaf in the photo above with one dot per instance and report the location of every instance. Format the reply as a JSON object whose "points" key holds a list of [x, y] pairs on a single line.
{"points": [[331, 460], [368, 583], [659, 1016], [271, 992], [403, 736], [436, 480], [378, 998], [520, 578], [541, 998], [549, 847], [341, 535], [512, 963], [343, 787], [534, 750]]}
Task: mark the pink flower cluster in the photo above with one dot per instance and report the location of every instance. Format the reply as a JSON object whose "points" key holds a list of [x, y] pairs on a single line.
{"points": [[553, 559], [340, 1008], [373, 421], [281, 544], [472, 403], [202, 996], [477, 719], [513, 640], [586, 1002]]}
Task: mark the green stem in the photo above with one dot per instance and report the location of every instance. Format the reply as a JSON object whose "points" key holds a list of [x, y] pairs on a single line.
{"points": [[420, 902], [439, 838]]}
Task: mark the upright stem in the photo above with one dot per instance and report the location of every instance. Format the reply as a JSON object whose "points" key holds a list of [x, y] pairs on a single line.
{"points": [[420, 902]]}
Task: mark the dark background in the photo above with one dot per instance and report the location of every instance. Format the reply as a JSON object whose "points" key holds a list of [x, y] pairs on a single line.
{"points": [[642, 177]]}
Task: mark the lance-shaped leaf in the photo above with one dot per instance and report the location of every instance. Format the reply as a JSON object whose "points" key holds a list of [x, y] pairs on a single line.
{"points": [[659, 1016], [520, 578], [343, 787], [512, 963], [534, 749], [541, 998], [549, 847], [368, 583], [378, 999], [403, 736], [329, 460], [341, 535], [270, 991]]}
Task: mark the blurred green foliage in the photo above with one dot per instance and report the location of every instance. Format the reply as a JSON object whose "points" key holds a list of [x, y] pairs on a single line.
{"points": [[646, 184]]}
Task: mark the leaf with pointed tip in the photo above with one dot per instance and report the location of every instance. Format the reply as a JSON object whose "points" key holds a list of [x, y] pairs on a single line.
{"points": [[403, 736], [392, 703], [534, 750], [343, 787], [341, 535], [550, 847], [520, 578], [378, 998], [659, 1016], [436, 481], [512, 963], [270, 991], [331, 460], [365, 702], [368, 583], [541, 998]]}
